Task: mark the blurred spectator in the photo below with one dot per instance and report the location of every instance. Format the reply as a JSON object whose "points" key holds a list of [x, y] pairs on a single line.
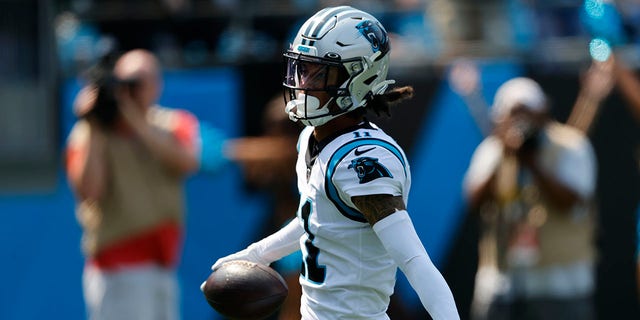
{"points": [[127, 159], [532, 182]]}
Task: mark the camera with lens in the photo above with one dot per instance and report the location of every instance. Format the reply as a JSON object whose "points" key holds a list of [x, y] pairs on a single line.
{"points": [[530, 136], [531, 142], [105, 108]]}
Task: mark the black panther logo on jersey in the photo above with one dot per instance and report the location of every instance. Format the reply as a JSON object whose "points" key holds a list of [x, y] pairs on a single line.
{"points": [[369, 169]]}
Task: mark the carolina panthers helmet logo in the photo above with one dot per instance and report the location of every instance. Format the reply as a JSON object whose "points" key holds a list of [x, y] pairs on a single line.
{"points": [[369, 169], [376, 34]]}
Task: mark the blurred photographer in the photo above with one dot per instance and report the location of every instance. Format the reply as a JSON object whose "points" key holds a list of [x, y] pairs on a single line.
{"points": [[97, 101], [127, 160], [532, 181]]}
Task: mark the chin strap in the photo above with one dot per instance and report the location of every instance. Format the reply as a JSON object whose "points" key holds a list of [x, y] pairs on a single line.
{"points": [[305, 109], [381, 87]]}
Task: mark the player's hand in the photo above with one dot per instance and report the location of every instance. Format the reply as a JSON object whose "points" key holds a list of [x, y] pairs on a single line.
{"points": [[248, 254]]}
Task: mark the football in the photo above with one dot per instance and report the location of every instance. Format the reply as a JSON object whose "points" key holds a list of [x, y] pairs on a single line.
{"points": [[245, 290]]}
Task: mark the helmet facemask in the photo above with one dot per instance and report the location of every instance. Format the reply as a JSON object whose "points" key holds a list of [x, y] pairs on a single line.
{"points": [[315, 88]]}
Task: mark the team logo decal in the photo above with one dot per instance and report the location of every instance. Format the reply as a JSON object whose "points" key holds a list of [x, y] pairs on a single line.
{"points": [[375, 34], [369, 169]]}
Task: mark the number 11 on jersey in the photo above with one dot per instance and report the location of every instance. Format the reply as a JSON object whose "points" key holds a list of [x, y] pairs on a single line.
{"points": [[310, 270]]}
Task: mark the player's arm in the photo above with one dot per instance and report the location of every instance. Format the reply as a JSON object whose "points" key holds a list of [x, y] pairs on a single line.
{"points": [[378, 206], [282, 243], [391, 222]]}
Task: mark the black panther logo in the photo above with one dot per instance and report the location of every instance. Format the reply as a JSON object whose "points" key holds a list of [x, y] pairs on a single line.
{"points": [[369, 169], [375, 34]]}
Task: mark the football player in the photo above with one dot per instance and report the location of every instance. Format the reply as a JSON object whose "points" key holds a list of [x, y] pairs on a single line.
{"points": [[352, 224]]}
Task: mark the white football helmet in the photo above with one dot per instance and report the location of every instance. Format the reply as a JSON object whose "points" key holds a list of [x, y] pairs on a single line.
{"points": [[340, 51]]}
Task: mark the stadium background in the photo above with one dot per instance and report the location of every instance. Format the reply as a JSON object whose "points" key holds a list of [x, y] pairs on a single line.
{"points": [[222, 62]]}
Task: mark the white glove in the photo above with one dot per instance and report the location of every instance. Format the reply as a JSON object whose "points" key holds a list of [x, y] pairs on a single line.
{"points": [[272, 248], [248, 254]]}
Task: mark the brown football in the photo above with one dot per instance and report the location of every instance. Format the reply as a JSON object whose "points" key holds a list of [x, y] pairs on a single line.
{"points": [[245, 290]]}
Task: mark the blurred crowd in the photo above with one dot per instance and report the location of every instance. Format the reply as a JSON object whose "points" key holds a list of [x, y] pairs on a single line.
{"points": [[196, 33], [532, 181]]}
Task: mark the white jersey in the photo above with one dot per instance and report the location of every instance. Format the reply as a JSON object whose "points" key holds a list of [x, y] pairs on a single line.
{"points": [[346, 271]]}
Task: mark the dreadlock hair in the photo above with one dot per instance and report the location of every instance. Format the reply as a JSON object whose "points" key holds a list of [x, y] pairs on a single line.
{"points": [[382, 104]]}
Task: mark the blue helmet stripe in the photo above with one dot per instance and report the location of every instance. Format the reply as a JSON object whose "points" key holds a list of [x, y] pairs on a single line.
{"points": [[338, 155]]}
